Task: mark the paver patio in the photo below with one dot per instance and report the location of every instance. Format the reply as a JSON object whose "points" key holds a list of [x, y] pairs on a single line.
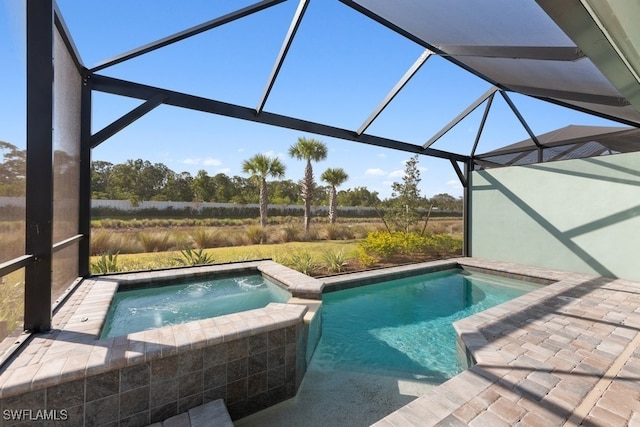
{"points": [[566, 354]]}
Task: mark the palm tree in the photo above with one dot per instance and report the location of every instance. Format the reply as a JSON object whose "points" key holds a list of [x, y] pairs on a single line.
{"points": [[261, 166], [333, 177], [308, 149]]}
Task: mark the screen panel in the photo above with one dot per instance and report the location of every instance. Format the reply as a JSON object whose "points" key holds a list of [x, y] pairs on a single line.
{"points": [[66, 163], [12, 221], [12, 303], [449, 26]]}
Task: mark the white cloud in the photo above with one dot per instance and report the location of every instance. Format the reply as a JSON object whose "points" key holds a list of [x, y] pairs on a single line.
{"points": [[382, 155], [397, 173], [375, 172], [224, 170], [210, 161], [273, 155], [455, 183]]}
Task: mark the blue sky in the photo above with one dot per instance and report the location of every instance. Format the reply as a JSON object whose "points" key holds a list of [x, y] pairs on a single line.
{"points": [[340, 66]]}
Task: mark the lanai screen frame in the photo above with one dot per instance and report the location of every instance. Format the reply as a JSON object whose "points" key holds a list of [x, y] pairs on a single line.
{"points": [[44, 18]]}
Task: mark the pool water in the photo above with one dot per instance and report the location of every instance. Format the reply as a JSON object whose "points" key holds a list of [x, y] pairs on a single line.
{"points": [[158, 306], [404, 328]]}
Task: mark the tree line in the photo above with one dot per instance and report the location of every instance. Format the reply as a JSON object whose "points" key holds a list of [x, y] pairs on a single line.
{"points": [[139, 180]]}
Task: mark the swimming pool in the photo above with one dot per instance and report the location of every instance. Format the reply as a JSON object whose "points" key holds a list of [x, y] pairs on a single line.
{"points": [[163, 305], [403, 327]]}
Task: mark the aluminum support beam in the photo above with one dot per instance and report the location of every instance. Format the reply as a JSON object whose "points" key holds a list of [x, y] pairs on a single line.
{"points": [[124, 121], [539, 53], [15, 264], [518, 158], [84, 214], [396, 89], [515, 110], [460, 116], [466, 211], [293, 29], [486, 163], [560, 156], [39, 192], [66, 37], [66, 243], [487, 108], [460, 173], [256, 7], [614, 101], [571, 149], [515, 150], [177, 99]]}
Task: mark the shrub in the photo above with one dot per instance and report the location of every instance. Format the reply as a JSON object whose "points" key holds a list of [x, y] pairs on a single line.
{"points": [[338, 232], [203, 238], [155, 242], [303, 262], [126, 244], [256, 234], [312, 235], [412, 243], [367, 260], [360, 231], [194, 257], [381, 243], [290, 233], [101, 242], [446, 245], [332, 231], [105, 242], [334, 261], [385, 245], [108, 263]]}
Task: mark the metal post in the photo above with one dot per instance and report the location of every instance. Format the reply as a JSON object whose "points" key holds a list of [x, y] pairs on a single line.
{"points": [[84, 216], [39, 200], [466, 210]]}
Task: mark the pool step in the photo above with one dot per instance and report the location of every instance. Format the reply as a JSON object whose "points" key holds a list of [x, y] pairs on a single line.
{"points": [[210, 414]]}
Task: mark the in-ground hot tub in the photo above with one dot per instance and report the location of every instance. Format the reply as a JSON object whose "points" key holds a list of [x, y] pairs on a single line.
{"points": [[156, 304], [252, 359]]}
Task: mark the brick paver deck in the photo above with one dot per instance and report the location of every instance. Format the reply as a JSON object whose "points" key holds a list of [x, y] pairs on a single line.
{"points": [[566, 354]]}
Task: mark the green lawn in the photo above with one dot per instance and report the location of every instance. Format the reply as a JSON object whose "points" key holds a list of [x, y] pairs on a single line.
{"points": [[284, 253]]}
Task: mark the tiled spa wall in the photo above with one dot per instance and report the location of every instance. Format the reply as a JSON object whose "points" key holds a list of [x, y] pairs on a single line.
{"points": [[250, 374]]}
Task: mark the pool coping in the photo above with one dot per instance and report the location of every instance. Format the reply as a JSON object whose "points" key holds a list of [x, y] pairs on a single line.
{"points": [[517, 357], [73, 349], [559, 355]]}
